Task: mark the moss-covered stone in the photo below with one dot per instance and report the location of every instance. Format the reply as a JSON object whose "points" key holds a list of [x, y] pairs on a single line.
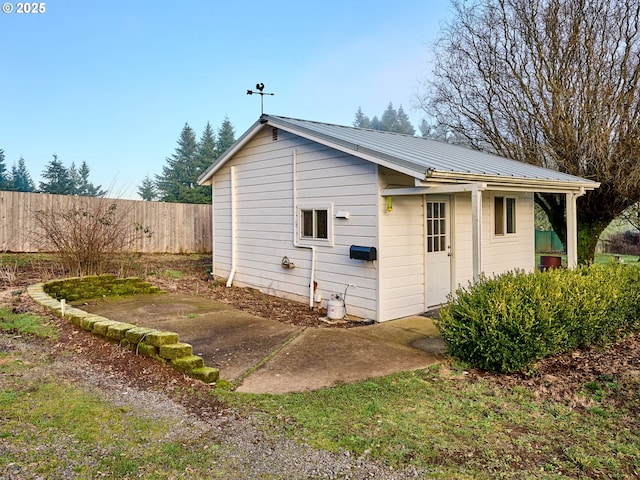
{"points": [[159, 345], [96, 286], [118, 331], [186, 364], [101, 328], [89, 321], [176, 350], [158, 338], [147, 350], [205, 374], [75, 315], [137, 334]]}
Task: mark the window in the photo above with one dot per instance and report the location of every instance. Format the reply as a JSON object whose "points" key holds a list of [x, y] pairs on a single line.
{"points": [[315, 224], [436, 227], [504, 209]]}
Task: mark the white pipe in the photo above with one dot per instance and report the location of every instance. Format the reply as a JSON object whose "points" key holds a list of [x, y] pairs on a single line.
{"points": [[295, 229], [234, 241]]}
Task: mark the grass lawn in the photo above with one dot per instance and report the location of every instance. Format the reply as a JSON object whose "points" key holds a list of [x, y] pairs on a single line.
{"points": [[457, 429], [437, 420], [599, 259]]}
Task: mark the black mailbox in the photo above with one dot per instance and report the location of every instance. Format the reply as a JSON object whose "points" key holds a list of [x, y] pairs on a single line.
{"points": [[363, 253]]}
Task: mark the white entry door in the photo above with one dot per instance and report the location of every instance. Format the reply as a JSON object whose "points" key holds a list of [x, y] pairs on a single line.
{"points": [[438, 250]]}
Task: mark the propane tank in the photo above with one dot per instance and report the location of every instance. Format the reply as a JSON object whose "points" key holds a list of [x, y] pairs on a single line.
{"points": [[335, 307]]}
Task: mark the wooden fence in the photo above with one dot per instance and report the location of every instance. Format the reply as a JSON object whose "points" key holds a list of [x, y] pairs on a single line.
{"points": [[174, 227]]}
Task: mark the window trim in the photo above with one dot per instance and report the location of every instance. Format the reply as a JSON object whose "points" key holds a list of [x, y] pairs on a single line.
{"points": [[505, 215], [315, 240]]}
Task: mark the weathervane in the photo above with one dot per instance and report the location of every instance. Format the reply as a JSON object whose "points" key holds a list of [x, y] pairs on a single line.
{"points": [[260, 88]]}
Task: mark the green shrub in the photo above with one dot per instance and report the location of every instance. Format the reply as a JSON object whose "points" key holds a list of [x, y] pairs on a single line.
{"points": [[508, 322]]}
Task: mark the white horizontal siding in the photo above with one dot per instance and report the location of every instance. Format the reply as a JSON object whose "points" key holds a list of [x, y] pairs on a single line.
{"points": [[265, 219], [503, 253], [402, 264], [499, 253]]}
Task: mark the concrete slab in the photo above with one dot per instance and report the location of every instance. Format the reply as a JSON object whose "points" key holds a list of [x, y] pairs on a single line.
{"points": [[266, 356], [225, 338], [321, 357]]}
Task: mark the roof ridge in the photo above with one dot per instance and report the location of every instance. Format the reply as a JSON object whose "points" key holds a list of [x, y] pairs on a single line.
{"points": [[352, 127]]}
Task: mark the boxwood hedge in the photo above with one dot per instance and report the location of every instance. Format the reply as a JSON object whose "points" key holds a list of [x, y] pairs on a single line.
{"points": [[508, 322]]}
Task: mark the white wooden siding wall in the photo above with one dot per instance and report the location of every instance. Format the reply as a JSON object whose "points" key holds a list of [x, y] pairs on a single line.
{"points": [[499, 253], [265, 229], [348, 183], [503, 253], [462, 246], [402, 275]]}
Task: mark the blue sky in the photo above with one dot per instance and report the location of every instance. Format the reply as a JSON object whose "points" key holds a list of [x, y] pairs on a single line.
{"points": [[112, 83]]}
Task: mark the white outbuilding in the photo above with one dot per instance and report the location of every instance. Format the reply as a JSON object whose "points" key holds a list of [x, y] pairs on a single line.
{"points": [[306, 210]]}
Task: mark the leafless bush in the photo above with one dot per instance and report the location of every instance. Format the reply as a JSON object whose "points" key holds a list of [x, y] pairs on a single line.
{"points": [[623, 243], [8, 273], [88, 237]]}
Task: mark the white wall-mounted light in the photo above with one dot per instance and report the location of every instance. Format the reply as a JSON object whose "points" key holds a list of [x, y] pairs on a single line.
{"points": [[343, 214]]}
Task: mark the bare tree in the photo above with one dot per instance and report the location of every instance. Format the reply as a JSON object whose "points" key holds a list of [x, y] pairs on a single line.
{"points": [[89, 236], [552, 83]]}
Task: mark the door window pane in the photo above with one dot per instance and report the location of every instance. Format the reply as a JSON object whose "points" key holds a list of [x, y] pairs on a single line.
{"points": [[436, 227]]}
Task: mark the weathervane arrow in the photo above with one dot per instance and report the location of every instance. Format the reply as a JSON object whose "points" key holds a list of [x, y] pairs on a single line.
{"points": [[260, 88]]}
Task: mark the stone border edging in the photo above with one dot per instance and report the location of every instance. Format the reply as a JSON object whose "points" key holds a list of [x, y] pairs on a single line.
{"points": [[162, 346]]}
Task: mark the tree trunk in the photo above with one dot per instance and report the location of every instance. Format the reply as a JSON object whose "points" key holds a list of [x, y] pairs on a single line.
{"points": [[589, 232], [591, 223], [554, 205]]}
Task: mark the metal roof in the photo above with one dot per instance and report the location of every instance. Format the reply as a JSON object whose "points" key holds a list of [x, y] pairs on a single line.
{"points": [[421, 157]]}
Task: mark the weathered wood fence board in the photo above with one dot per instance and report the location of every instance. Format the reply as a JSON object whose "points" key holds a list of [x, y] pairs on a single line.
{"points": [[175, 227]]}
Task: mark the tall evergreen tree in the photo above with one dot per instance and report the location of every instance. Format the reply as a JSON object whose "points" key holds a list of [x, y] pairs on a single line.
{"points": [[226, 136], [361, 120], [147, 189], [57, 178], [82, 185], [207, 153], [179, 179], [392, 120], [389, 119], [404, 124], [20, 178], [178, 175], [4, 174]]}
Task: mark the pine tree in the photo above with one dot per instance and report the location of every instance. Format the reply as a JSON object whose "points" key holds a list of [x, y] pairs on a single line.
{"points": [[226, 136], [178, 175], [57, 178], [5, 181], [404, 124], [361, 120], [82, 185], [147, 189], [205, 157], [74, 178], [392, 120], [389, 120], [20, 178]]}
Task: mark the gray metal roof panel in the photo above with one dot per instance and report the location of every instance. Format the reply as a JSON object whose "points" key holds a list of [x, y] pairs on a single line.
{"points": [[424, 154]]}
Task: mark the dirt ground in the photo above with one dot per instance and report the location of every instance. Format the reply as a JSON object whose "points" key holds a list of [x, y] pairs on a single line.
{"points": [[561, 378]]}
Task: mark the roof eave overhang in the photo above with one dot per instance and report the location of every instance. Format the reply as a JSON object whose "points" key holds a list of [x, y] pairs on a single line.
{"points": [[497, 182]]}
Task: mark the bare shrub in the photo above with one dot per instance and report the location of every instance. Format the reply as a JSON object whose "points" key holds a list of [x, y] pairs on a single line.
{"points": [[623, 243], [89, 236], [8, 273]]}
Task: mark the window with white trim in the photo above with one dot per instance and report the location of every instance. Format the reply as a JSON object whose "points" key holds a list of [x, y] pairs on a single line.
{"points": [[504, 215], [314, 224]]}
